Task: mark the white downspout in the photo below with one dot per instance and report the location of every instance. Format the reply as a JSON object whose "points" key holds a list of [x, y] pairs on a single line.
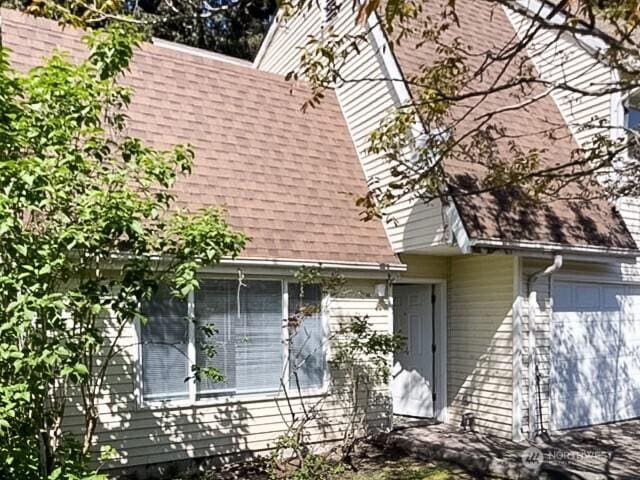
{"points": [[533, 351]]}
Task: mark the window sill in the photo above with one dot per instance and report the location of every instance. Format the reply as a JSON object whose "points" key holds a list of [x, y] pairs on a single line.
{"points": [[230, 399]]}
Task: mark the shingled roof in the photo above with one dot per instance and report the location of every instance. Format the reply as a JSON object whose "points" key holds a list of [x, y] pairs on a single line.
{"points": [[286, 178], [495, 216]]}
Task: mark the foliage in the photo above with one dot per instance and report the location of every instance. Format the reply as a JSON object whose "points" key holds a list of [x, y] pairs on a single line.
{"points": [[88, 228], [232, 27], [362, 355], [463, 95], [306, 465]]}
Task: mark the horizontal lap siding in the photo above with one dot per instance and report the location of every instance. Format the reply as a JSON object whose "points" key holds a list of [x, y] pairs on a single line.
{"points": [[410, 224], [238, 427], [616, 273], [479, 345], [560, 60]]}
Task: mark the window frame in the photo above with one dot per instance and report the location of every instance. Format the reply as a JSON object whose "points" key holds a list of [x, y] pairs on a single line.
{"points": [[230, 395], [620, 107]]}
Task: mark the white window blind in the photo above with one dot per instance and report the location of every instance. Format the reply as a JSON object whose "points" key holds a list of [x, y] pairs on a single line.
{"points": [[244, 325], [259, 337], [307, 355], [165, 340], [215, 306], [249, 338]]}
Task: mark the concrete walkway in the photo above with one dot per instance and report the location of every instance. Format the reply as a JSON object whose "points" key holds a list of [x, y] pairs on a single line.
{"points": [[602, 452]]}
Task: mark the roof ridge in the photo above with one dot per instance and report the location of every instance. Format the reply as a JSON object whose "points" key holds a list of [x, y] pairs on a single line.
{"points": [[18, 16], [201, 52]]}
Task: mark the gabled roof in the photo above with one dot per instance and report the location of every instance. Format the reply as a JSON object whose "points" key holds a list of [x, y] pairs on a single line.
{"points": [[287, 178], [495, 216]]}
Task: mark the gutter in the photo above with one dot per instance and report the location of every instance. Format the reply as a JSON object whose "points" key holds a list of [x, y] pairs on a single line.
{"points": [[553, 248], [290, 263], [536, 422], [340, 265]]}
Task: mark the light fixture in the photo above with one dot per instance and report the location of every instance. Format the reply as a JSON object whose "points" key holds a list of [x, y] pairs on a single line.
{"points": [[381, 290]]}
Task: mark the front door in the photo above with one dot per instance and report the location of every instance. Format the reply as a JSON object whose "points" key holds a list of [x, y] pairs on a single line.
{"points": [[412, 374]]}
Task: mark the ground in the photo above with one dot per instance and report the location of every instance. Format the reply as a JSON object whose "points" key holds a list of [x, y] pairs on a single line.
{"points": [[600, 452], [370, 463], [397, 466]]}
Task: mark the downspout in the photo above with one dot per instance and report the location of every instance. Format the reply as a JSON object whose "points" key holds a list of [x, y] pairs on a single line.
{"points": [[534, 390]]}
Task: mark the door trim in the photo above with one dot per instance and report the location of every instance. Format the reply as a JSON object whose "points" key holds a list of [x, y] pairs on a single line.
{"points": [[440, 412]]}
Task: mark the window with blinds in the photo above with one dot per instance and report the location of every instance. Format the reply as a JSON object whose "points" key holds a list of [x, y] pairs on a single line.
{"points": [[248, 342], [243, 326], [306, 340], [165, 341]]}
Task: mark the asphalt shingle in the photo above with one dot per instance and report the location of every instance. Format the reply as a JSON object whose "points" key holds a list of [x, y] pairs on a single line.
{"points": [[286, 178]]}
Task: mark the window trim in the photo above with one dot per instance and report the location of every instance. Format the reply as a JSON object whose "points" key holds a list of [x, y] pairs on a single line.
{"points": [[230, 395]]}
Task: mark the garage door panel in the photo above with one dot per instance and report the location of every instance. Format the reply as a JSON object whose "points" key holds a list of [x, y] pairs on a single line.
{"points": [[581, 409], [597, 374], [595, 353], [595, 339], [627, 403], [573, 383]]}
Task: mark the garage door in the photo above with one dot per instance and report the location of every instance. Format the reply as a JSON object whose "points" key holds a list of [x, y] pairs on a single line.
{"points": [[595, 354]]}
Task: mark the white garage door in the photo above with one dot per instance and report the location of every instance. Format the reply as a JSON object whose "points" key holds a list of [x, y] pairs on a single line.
{"points": [[595, 354]]}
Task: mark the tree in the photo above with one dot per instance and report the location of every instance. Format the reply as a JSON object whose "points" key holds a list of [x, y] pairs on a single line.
{"points": [[462, 93], [232, 27], [88, 230]]}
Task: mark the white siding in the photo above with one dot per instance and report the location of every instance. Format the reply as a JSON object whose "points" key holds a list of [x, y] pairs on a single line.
{"points": [[235, 427], [411, 225], [571, 271], [480, 367], [560, 60], [423, 266]]}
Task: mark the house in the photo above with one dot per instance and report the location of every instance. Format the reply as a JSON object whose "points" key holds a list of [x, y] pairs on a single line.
{"points": [[517, 321], [541, 325]]}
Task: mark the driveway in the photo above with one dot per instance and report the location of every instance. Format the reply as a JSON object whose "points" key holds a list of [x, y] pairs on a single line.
{"points": [[601, 452]]}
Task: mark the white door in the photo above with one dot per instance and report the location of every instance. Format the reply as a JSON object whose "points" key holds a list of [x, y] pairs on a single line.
{"points": [[595, 348], [412, 374]]}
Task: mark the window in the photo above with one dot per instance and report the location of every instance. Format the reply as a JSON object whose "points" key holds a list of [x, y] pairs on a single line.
{"points": [[632, 123], [165, 342], [306, 357], [249, 335]]}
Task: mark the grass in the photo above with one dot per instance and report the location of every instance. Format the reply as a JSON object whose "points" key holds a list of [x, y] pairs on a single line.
{"points": [[404, 469]]}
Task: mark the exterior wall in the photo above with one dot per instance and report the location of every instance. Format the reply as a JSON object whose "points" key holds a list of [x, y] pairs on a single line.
{"points": [[233, 427], [543, 311], [561, 60], [480, 358], [411, 225], [481, 296], [424, 266]]}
